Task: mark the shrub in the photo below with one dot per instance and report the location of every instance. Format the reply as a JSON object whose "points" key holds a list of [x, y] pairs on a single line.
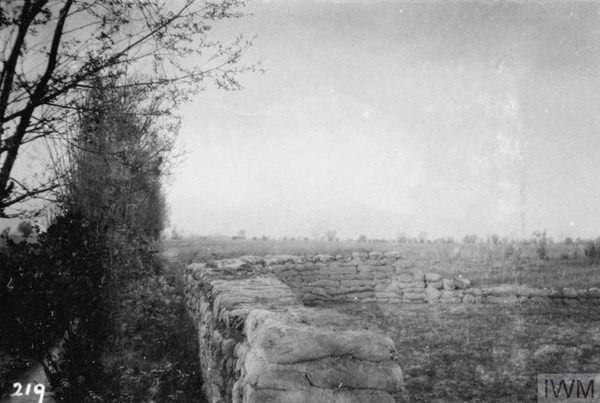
{"points": [[330, 235], [161, 360], [591, 252], [29, 308], [470, 239], [57, 280], [509, 250], [540, 240], [55, 284]]}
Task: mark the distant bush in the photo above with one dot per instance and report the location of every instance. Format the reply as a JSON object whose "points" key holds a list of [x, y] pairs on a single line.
{"points": [[470, 239], [402, 239], [175, 235], [591, 252], [330, 235], [509, 250], [540, 240]]}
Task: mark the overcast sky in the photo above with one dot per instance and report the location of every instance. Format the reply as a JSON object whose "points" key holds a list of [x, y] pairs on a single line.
{"points": [[383, 117]]}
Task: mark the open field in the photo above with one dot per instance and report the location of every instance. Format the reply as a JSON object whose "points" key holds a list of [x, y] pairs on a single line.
{"points": [[464, 352], [485, 353], [482, 263]]}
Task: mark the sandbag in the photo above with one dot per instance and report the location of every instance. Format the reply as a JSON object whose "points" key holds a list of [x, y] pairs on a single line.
{"points": [[284, 343], [315, 395]]}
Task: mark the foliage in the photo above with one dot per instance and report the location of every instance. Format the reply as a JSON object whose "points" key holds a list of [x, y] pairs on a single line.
{"points": [[470, 239], [110, 135], [401, 238], [58, 287], [483, 353], [113, 179], [78, 374], [591, 251], [79, 289], [241, 235], [175, 234], [25, 227], [114, 168], [56, 280], [153, 354], [540, 240], [54, 51], [510, 250], [330, 235]]}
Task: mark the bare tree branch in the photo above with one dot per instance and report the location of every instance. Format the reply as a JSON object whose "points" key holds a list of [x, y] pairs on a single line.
{"points": [[54, 50]]}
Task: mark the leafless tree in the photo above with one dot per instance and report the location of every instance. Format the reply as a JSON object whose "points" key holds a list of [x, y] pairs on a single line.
{"points": [[51, 50]]}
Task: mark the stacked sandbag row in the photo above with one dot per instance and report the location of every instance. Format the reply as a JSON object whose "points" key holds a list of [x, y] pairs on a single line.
{"points": [[219, 299], [507, 293], [450, 291], [302, 356], [366, 277], [388, 278], [460, 290], [258, 343], [317, 282], [405, 285]]}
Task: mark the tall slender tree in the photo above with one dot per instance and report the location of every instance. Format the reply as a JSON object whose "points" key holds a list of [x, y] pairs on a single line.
{"points": [[118, 158]]}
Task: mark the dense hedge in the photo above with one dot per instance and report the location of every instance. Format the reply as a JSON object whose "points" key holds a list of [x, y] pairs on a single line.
{"points": [[58, 290], [111, 304]]}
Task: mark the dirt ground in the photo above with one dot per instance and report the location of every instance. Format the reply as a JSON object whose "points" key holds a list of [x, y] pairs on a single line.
{"points": [[486, 353], [465, 352]]}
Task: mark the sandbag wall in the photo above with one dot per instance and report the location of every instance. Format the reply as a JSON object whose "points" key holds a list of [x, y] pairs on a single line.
{"points": [[367, 277], [259, 343], [364, 277], [389, 278], [510, 293]]}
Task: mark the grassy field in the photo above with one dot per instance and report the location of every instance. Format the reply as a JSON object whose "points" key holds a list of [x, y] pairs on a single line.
{"points": [[491, 353], [464, 353], [482, 263]]}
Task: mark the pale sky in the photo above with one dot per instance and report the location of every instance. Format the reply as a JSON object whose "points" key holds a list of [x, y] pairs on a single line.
{"points": [[383, 117], [380, 118]]}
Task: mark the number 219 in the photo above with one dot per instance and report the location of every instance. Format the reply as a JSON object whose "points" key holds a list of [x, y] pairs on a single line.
{"points": [[38, 389]]}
